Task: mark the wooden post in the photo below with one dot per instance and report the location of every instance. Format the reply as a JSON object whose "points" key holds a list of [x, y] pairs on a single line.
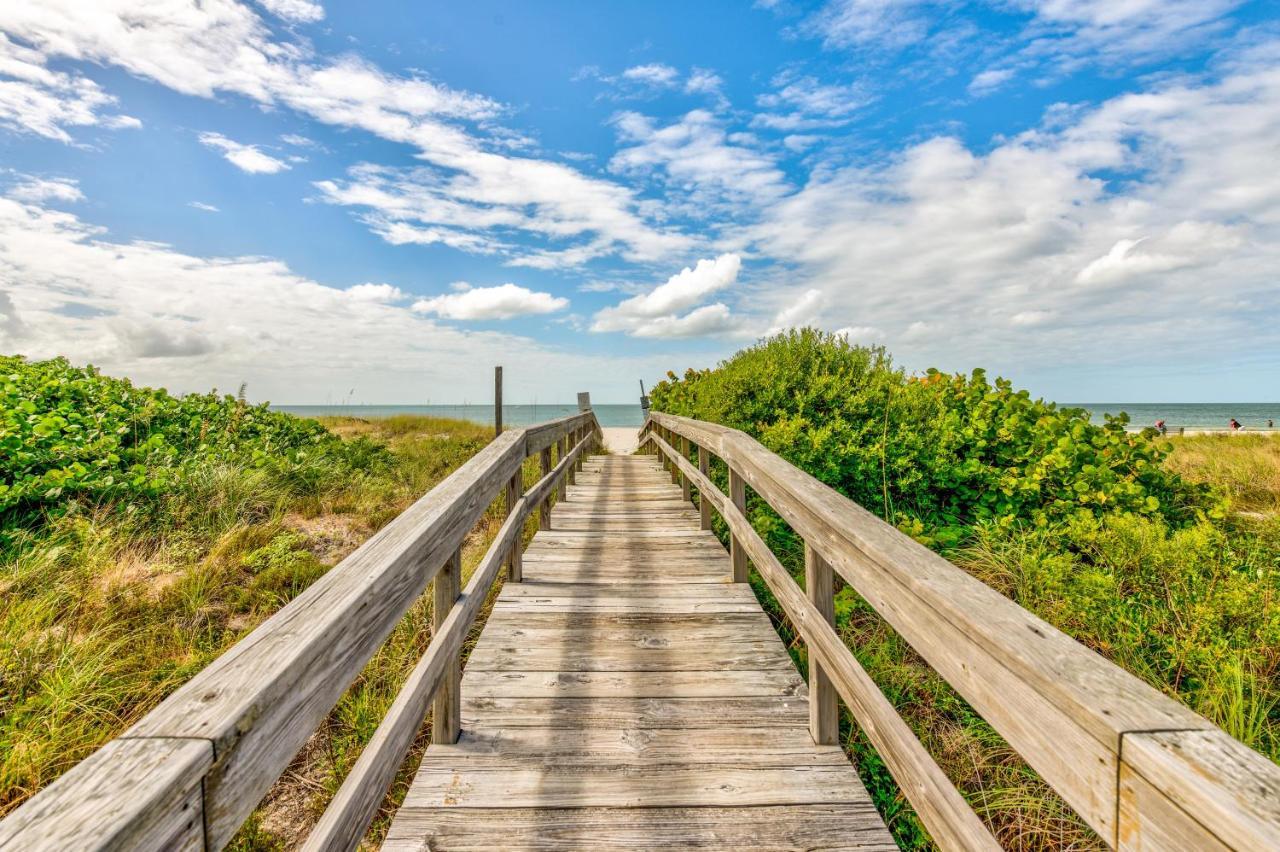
{"points": [[446, 717], [515, 489], [584, 401], [824, 711], [563, 449], [671, 463], [572, 442], [704, 505], [582, 436], [738, 494], [497, 401], [684, 480], [544, 509]]}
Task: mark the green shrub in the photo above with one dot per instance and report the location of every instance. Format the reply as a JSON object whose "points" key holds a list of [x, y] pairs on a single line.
{"points": [[71, 437], [937, 453], [1084, 524]]}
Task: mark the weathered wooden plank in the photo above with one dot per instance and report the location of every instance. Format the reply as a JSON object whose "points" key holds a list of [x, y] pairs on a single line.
{"points": [[631, 786], [601, 747], [348, 815], [647, 631], [161, 811], [659, 684], [259, 702], [633, 713], [943, 811], [1196, 789], [818, 828], [445, 591], [1061, 706], [749, 655], [824, 707]]}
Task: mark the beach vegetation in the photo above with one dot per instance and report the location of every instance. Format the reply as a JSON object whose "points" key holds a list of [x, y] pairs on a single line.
{"points": [[1134, 545]]}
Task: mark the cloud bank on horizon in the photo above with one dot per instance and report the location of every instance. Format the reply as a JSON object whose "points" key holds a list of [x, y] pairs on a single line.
{"points": [[1081, 194]]}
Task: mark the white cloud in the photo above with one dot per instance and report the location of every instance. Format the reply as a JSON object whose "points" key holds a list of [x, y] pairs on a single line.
{"points": [[35, 99], [221, 46], [703, 82], [295, 11], [990, 80], [247, 158], [696, 159], [377, 293], [505, 301], [41, 190], [804, 311], [185, 322], [200, 205], [803, 103], [1152, 220], [707, 321], [884, 24], [657, 313], [653, 74]]}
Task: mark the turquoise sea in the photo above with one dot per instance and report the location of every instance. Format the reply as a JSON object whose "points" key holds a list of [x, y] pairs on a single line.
{"points": [[1188, 415]]}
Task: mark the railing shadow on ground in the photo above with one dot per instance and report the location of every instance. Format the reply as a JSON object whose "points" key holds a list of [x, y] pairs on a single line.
{"points": [[193, 769], [1144, 771]]}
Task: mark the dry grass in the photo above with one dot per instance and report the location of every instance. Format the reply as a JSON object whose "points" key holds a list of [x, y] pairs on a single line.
{"points": [[1246, 467], [103, 615]]}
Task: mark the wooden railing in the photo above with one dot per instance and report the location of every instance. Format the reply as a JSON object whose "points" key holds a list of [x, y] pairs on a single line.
{"points": [[1143, 770], [192, 770]]}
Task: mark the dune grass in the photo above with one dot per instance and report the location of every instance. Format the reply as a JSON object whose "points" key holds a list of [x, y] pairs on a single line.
{"points": [[105, 611]]}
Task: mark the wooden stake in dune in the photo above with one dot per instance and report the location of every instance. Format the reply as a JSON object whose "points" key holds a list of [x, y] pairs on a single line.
{"points": [[497, 401]]}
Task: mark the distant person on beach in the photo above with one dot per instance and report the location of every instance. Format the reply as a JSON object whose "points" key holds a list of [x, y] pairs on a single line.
{"points": [[1161, 428], [1235, 425], [1271, 424]]}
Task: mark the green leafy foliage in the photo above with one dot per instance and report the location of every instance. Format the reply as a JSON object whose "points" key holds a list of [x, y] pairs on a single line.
{"points": [[1090, 526], [938, 452], [70, 437]]}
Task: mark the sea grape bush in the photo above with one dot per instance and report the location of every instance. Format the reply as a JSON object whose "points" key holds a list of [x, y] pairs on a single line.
{"points": [[70, 436], [936, 453]]}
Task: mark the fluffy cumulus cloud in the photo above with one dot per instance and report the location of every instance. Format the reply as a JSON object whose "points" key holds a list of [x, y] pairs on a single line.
{"points": [[246, 158], [43, 190], [222, 46], [661, 312], [653, 74], [1151, 220], [187, 322], [38, 100], [695, 158], [296, 11], [503, 302]]}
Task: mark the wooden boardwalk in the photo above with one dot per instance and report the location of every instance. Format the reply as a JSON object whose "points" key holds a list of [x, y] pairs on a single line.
{"points": [[628, 695]]}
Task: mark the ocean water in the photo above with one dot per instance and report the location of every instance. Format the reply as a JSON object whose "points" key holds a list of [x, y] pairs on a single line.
{"points": [[1188, 415], [512, 415]]}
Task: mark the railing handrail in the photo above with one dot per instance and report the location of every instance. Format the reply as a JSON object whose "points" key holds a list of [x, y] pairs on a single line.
{"points": [[1139, 767], [192, 770]]}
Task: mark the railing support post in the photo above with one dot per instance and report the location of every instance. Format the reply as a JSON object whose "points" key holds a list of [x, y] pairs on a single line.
{"points": [[704, 505], [738, 494], [582, 436], [515, 490], [684, 480], [570, 476], [544, 508], [446, 717], [824, 709], [562, 450], [671, 463]]}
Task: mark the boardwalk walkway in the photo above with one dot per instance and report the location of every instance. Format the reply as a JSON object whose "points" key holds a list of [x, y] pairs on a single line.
{"points": [[626, 695]]}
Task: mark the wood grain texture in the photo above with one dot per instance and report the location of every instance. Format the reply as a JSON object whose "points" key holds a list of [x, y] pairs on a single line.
{"points": [[1061, 706], [156, 805], [629, 691], [216, 745], [944, 812], [818, 828]]}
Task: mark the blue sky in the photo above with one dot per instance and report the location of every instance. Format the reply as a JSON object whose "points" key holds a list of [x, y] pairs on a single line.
{"points": [[380, 201]]}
